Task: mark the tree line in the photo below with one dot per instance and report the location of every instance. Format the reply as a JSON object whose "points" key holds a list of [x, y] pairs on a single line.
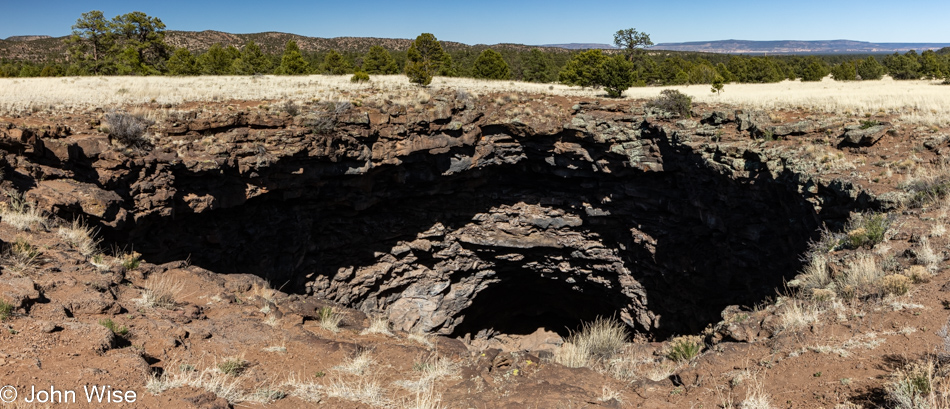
{"points": [[134, 44]]}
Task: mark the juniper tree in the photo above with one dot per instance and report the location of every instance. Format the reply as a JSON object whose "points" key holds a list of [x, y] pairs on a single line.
{"points": [[425, 57]]}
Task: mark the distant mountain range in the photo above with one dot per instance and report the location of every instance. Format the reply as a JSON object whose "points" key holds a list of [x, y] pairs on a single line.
{"points": [[796, 47], [582, 46]]}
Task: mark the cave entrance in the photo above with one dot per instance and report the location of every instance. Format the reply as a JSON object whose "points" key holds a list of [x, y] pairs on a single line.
{"points": [[524, 301]]}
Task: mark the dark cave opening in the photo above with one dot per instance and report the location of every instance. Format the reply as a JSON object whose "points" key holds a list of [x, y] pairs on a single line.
{"points": [[524, 301]]}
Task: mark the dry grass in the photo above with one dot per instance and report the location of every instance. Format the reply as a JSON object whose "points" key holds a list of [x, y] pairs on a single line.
{"points": [[330, 318], [796, 315], [20, 256], [918, 102], [597, 340], [162, 291], [22, 214], [921, 384], [358, 364], [363, 390], [213, 380], [756, 398], [81, 237], [378, 325], [430, 370]]}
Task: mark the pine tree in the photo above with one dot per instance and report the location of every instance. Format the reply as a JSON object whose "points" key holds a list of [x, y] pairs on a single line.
{"points": [[582, 69], [425, 58], [141, 43], [292, 62], [251, 61], [537, 67], [91, 42], [379, 61], [215, 61], [616, 75], [335, 64], [869, 69], [844, 71], [490, 65], [182, 62]]}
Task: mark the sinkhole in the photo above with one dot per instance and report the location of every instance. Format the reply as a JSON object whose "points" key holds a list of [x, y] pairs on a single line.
{"points": [[530, 236]]}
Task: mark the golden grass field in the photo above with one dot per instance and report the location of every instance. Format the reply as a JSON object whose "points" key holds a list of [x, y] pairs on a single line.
{"points": [[916, 102]]}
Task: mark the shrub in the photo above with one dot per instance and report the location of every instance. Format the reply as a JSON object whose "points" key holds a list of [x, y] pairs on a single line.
{"points": [[490, 65], [895, 284], [130, 261], [927, 189], [616, 75], [120, 331], [672, 101], [233, 366], [867, 230], [6, 310], [359, 76], [324, 121], [128, 129], [684, 348]]}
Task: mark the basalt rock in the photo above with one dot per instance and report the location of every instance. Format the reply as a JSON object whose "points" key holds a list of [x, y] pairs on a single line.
{"points": [[459, 215]]}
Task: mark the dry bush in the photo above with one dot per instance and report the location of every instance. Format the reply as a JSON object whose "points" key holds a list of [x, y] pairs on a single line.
{"points": [[128, 129], [756, 398], [161, 292], [421, 338], [423, 399], [895, 284]]}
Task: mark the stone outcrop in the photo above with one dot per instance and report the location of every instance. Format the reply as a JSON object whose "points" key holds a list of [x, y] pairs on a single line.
{"points": [[461, 214]]}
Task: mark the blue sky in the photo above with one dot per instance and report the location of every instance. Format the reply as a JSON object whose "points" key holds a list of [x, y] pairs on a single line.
{"points": [[525, 22]]}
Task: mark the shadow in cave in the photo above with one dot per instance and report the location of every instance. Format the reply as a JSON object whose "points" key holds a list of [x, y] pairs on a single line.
{"points": [[714, 241]]}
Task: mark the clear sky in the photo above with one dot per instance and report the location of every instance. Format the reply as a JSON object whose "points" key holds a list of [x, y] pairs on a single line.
{"points": [[512, 21]]}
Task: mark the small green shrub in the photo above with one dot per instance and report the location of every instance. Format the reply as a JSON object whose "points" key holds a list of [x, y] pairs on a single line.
{"points": [[233, 366], [359, 76], [131, 261], [112, 326], [867, 230], [673, 101], [869, 123], [684, 348], [6, 310]]}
